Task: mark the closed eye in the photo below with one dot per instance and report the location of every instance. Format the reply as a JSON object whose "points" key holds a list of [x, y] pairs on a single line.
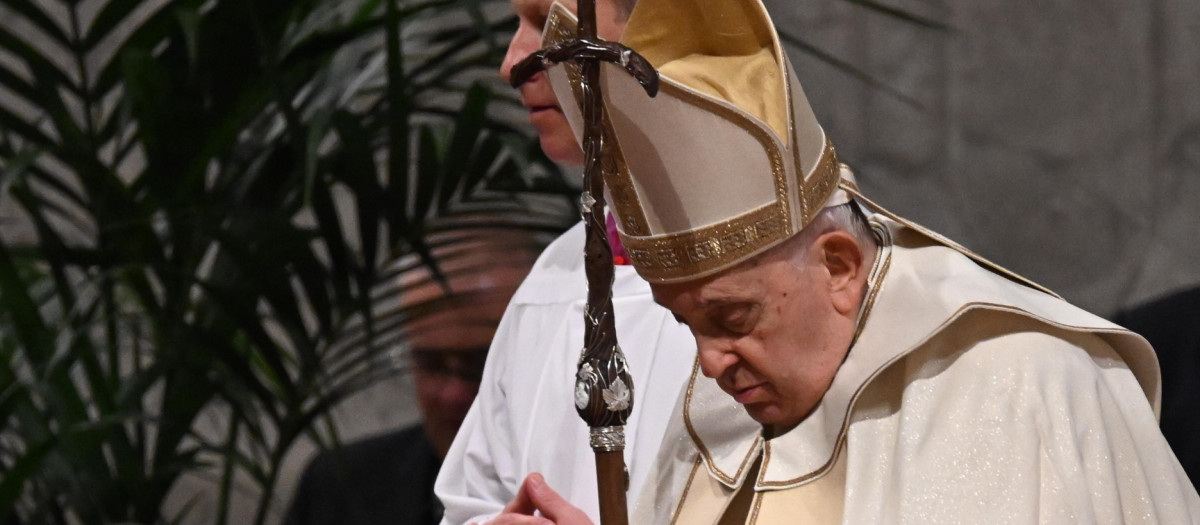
{"points": [[738, 318]]}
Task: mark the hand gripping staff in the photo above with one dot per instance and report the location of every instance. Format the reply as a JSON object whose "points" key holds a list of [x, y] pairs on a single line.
{"points": [[603, 387]]}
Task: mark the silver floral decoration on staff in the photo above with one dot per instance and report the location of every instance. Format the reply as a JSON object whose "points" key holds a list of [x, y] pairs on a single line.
{"points": [[604, 389]]}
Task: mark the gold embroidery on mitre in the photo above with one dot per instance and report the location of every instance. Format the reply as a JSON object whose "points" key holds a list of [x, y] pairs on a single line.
{"points": [[816, 189], [615, 171], [703, 251], [811, 192]]}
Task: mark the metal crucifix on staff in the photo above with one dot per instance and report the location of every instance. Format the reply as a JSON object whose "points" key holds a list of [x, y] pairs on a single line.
{"points": [[603, 387]]}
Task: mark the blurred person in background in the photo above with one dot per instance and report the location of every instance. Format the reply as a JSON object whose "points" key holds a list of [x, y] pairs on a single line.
{"points": [[389, 478]]}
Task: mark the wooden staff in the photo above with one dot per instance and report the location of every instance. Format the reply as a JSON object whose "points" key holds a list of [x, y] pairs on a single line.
{"points": [[603, 387]]}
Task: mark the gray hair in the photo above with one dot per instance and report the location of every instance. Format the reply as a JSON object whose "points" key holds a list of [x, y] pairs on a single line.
{"points": [[845, 217]]}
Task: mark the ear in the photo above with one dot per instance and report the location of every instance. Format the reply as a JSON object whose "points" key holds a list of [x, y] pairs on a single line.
{"points": [[842, 257]]}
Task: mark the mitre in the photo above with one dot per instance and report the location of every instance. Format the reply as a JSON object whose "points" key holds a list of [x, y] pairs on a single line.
{"points": [[727, 160]]}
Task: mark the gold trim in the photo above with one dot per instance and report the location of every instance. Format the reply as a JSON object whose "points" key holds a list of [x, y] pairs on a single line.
{"points": [[883, 252], [758, 501], [811, 192], [840, 444], [950, 320], [687, 255], [707, 250], [825, 469], [687, 421], [816, 189], [883, 263], [679, 256], [686, 489], [620, 185], [766, 460], [704, 251]]}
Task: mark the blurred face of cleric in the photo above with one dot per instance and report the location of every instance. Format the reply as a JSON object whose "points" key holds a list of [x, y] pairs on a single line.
{"points": [[536, 95], [449, 334]]}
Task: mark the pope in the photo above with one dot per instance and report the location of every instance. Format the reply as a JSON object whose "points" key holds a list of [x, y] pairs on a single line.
{"points": [[853, 367]]}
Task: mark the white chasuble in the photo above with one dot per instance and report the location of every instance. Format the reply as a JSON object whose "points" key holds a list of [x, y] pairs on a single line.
{"points": [[967, 397]]}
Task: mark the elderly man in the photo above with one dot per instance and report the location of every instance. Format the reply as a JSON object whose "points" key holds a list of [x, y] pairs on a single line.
{"points": [[853, 367], [528, 382]]}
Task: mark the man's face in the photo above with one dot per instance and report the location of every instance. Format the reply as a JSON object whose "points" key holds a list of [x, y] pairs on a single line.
{"points": [[767, 331], [536, 95], [448, 350], [449, 337]]}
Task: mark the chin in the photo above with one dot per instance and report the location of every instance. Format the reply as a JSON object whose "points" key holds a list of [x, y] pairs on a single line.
{"points": [[769, 415], [562, 151], [557, 139], [763, 413]]}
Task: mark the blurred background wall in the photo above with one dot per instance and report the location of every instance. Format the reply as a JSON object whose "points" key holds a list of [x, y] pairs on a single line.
{"points": [[1058, 138]]}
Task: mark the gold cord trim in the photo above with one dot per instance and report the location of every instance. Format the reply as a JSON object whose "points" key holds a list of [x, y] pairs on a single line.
{"points": [[687, 421], [686, 489]]}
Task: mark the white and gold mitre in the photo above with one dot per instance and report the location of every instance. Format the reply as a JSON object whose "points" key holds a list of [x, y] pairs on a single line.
{"points": [[728, 160]]}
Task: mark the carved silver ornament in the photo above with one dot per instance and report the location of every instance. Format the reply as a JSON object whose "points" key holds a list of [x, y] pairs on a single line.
{"points": [[586, 201], [581, 394], [616, 396]]}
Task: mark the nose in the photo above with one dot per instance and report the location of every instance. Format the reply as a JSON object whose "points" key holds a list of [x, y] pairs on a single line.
{"points": [[525, 41], [716, 355], [456, 394]]}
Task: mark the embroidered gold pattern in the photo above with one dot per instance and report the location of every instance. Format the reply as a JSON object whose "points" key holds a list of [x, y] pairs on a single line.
{"points": [[689, 255], [820, 185], [706, 250], [710, 249], [698, 253]]}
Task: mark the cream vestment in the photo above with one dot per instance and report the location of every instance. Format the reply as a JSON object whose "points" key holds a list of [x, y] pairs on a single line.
{"points": [[966, 398]]}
